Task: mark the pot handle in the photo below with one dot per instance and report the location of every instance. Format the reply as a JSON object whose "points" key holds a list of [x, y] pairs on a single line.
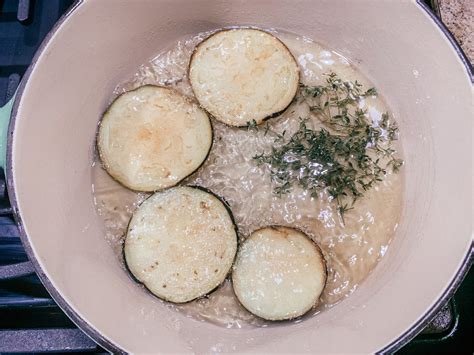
{"points": [[5, 113], [24, 268]]}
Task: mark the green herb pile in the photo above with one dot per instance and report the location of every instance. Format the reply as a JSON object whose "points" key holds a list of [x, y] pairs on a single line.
{"points": [[347, 155]]}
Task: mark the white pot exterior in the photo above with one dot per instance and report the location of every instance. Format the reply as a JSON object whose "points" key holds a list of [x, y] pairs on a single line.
{"points": [[100, 43]]}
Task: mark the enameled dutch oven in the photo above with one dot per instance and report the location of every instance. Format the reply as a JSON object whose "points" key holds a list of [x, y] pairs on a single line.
{"points": [[400, 45]]}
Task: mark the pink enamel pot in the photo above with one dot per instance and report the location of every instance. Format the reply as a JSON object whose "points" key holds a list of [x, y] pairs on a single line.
{"points": [[413, 60]]}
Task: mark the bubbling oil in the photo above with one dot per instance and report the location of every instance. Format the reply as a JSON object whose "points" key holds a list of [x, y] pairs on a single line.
{"points": [[352, 248]]}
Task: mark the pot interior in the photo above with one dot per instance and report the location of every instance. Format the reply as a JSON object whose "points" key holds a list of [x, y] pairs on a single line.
{"points": [[101, 43]]}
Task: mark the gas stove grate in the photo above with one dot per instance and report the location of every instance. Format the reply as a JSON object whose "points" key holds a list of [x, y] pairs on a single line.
{"points": [[30, 321]]}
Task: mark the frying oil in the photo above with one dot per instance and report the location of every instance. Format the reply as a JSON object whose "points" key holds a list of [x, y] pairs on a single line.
{"points": [[351, 249]]}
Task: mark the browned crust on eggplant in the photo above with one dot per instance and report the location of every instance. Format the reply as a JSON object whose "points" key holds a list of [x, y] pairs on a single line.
{"points": [[273, 115], [102, 161], [227, 207]]}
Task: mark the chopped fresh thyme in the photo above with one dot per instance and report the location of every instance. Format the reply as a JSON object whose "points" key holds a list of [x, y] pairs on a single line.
{"points": [[252, 126], [347, 155]]}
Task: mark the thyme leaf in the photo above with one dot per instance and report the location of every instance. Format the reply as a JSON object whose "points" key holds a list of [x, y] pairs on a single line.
{"points": [[348, 155], [252, 126]]}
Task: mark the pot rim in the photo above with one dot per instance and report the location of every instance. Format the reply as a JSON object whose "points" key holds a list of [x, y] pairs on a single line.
{"points": [[94, 333]]}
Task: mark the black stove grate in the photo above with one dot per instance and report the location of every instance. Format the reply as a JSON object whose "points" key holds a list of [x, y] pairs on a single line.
{"points": [[23, 25], [30, 321]]}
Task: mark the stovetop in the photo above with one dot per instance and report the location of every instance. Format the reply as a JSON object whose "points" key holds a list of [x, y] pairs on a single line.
{"points": [[30, 321]]}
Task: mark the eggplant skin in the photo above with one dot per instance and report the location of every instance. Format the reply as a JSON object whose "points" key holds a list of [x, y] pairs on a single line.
{"points": [[243, 75], [180, 244], [151, 138], [279, 273]]}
